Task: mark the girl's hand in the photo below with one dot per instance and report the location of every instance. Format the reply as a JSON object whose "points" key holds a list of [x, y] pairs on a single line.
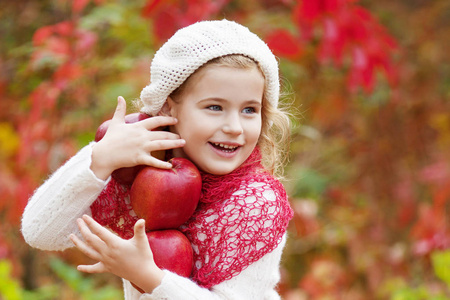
{"points": [[129, 259], [128, 145]]}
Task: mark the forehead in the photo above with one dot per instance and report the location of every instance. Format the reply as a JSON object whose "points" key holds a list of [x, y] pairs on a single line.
{"points": [[227, 81]]}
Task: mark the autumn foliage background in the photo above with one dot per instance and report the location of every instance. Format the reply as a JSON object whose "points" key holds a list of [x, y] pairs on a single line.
{"points": [[369, 173]]}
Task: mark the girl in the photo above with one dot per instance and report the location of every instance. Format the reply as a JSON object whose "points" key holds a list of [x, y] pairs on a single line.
{"points": [[215, 85]]}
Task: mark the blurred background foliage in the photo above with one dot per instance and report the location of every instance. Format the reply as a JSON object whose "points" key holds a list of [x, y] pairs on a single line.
{"points": [[369, 174]]}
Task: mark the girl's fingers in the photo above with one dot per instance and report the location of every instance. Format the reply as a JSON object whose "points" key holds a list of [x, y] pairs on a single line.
{"points": [[95, 268], [121, 110], [158, 145], [84, 248], [140, 236], [158, 121], [91, 239], [154, 162], [139, 229], [149, 160], [98, 230], [163, 135]]}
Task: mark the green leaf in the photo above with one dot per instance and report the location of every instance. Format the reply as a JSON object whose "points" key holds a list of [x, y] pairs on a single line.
{"points": [[441, 265], [9, 288], [84, 286], [310, 183], [70, 275]]}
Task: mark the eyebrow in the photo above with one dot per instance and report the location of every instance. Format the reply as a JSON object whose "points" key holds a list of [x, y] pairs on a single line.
{"points": [[254, 102], [247, 102]]}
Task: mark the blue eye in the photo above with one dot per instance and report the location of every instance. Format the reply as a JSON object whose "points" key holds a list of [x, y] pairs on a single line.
{"points": [[214, 107], [249, 110]]}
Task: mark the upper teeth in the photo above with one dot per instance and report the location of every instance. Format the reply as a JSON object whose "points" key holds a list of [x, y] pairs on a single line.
{"points": [[225, 146]]}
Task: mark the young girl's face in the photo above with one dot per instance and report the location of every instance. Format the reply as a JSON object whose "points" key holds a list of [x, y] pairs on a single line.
{"points": [[219, 117]]}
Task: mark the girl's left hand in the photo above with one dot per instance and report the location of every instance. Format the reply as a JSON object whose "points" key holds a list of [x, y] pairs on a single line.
{"points": [[129, 259]]}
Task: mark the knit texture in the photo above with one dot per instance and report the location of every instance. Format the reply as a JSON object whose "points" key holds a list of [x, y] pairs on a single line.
{"points": [[45, 219], [191, 47]]}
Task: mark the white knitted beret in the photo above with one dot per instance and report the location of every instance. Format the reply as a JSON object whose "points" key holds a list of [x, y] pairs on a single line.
{"points": [[191, 47]]}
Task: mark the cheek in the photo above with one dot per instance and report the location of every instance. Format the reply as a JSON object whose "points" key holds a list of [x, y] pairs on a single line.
{"points": [[254, 130], [189, 129]]}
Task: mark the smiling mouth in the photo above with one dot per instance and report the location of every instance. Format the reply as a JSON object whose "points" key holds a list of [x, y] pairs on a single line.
{"points": [[224, 148]]}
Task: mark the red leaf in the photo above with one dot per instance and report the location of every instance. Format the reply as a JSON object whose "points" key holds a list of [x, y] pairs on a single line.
{"points": [[196, 10], [23, 191], [362, 70], [165, 24], [437, 173], [79, 5], [404, 193], [283, 43], [150, 8], [85, 42], [430, 222], [330, 6], [65, 74], [331, 30], [64, 28], [441, 196], [363, 14], [309, 10], [41, 35], [4, 248], [42, 98], [58, 45], [333, 42], [217, 6]]}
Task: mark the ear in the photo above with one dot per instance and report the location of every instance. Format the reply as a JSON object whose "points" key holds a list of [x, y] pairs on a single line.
{"points": [[166, 109]]}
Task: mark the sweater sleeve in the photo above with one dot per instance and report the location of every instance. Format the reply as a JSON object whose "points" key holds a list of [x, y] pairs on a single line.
{"points": [[257, 281], [51, 213]]}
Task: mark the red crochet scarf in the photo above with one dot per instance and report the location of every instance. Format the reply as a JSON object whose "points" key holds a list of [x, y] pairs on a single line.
{"points": [[241, 217]]}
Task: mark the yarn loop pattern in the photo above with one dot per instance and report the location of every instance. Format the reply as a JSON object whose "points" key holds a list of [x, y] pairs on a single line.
{"points": [[112, 209]]}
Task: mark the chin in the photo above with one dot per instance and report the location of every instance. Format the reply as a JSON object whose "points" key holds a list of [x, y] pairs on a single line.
{"points": [[218, 170]]}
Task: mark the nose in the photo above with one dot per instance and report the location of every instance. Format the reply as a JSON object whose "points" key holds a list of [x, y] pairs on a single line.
{"points": [[233, 125]]}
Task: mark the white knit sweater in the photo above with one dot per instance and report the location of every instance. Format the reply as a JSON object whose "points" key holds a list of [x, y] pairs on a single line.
{"points": [[50, 217]]}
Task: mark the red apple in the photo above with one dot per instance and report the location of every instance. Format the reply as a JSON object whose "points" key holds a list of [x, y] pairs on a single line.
{"points": [[126, 175], [171, 251], [166, 198]]}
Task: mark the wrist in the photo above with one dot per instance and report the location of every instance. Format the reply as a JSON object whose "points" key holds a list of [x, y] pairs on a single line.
{"points": [[150, 280], [99, 166]]}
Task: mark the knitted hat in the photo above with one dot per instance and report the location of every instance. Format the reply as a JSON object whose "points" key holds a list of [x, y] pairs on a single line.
{"points": [[191, 47]]}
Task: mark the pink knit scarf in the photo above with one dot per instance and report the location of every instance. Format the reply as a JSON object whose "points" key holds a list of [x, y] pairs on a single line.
{"points": [[241, 217]]}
